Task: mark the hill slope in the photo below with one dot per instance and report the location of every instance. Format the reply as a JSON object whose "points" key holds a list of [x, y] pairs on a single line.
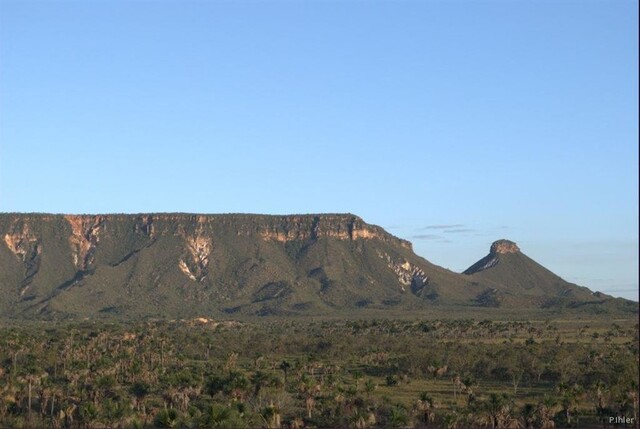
{"points": [[182, 265], [520, 281]]}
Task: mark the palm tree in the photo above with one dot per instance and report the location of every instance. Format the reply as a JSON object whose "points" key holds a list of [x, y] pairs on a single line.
{"points": [[8, 397], [529, 415], [452, 420], [398, 417], [271, 416], [67, 412], [496, 408], [181, 398], [56, 393], [361, 419], [216, 416], [369, 386], [568, 398], [426, 408], [285, 366], [309, 389], [88, 413], [44, 396], [545, 411], [357, 376], [139, 390], [114, 412], [232, 361], [259, 380]]}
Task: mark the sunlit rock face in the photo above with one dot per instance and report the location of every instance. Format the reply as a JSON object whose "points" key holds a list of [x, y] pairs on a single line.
{"points": [[85, 235], [341, 227], [499, 247], [22, 242], [27, 247], [195, 263], [504, 246]]}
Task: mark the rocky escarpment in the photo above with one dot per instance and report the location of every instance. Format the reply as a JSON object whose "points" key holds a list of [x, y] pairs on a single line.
{"points": [[26, 246], [180, 265], [303, 228], [86, 230]]}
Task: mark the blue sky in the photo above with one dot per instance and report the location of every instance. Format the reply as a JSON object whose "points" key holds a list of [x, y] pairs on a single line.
{"points": [[451, 123]]}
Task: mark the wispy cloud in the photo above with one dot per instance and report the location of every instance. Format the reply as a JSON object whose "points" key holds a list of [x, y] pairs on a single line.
{"points": [[426, 237], [458, 230], [456, 225]]}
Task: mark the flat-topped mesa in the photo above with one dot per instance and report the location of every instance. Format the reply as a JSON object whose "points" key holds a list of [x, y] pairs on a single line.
{"points": [[504, 246], [86, 229]]}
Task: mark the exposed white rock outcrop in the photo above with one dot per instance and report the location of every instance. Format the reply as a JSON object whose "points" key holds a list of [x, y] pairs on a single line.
{"points": [[194, 264], [85, 235], [408, 274]]}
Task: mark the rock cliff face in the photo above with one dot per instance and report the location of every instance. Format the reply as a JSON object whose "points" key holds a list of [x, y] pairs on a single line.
{"points": [[144, 225], [504, 246], [84, 238], [408, 274], [22, 242], [499, 247], [341, 227], [181, 265], [199, 246]]}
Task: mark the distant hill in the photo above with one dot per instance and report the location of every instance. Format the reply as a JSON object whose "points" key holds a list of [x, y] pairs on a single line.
{"points": [[521, 282], [186, 265]]}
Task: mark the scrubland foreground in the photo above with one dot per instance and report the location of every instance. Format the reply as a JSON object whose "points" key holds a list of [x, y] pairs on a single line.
{"points": [[284, 373]]}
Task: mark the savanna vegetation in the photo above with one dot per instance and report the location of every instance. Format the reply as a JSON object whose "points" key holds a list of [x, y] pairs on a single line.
{"points": [[304, 374]]}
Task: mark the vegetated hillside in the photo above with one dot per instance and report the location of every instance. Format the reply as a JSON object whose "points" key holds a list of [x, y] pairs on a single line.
{"points": [[183, 265], [521, 281]]}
